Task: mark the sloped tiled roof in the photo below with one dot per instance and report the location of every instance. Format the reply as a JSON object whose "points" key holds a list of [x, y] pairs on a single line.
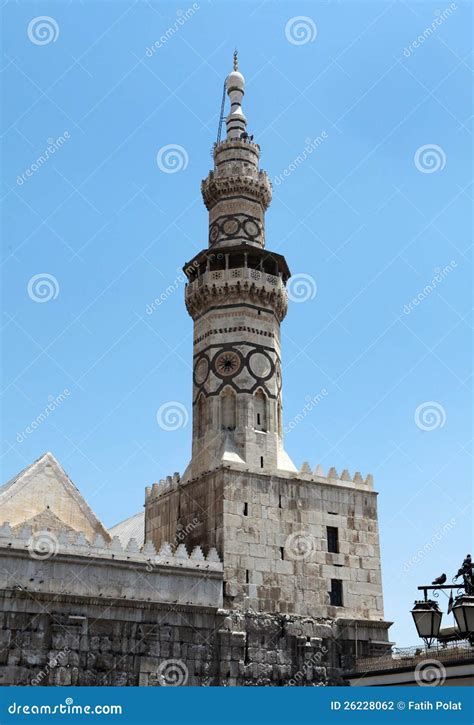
{"points": [[131, 528]]}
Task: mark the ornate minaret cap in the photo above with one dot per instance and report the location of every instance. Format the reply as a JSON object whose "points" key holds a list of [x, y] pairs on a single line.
{"points": [[235, 83]]}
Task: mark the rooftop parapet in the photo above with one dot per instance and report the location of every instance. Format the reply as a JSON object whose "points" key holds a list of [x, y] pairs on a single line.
{"points": [[43, 545]]}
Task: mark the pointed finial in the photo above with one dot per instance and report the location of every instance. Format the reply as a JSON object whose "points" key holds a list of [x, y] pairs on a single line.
{"points": [[236, 59]]}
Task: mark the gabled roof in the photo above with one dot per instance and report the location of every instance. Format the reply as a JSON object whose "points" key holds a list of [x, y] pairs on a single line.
{"points": [[44, 495], [131, 528]]}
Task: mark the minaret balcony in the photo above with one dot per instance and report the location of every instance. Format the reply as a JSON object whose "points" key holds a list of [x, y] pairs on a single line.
{"points": [[220, 277]]}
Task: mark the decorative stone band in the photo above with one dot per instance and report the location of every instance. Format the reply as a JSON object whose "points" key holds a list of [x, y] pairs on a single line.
{"points": [[46, 544], [215, 189], [206, 292], [236, 227]]}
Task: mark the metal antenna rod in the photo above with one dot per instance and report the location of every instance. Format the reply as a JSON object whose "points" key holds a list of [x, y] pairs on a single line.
{"points": [[221, 117]]}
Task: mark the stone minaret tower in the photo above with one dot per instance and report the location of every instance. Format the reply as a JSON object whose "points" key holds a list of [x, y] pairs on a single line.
{"points": [[236, 296], [293, 542]]}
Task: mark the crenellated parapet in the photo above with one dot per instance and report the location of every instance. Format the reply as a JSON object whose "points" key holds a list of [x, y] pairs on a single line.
{"points": [[333, 477], [43, 545]]}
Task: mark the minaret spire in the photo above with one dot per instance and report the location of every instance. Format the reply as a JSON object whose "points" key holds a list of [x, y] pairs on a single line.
{"points": [[235, 83]]}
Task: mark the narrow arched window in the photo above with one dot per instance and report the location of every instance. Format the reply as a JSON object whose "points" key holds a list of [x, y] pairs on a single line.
{"points": [[200, 416], [228, 409], [260, 410]]}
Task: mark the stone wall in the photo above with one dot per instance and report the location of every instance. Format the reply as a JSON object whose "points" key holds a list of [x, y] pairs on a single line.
{"points": [[271, 532]]}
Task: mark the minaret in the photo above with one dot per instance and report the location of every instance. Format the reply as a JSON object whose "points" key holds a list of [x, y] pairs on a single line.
{"points": [[237, 298]]}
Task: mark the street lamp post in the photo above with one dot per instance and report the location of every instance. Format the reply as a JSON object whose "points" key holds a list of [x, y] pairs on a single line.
{"points": [[427, 615]]}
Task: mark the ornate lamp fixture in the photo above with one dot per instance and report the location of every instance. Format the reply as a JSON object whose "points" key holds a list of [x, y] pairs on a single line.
{"points": [[427, 615]]}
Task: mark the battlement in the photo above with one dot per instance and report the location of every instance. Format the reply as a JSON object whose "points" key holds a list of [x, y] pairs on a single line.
{"points": [[42, 545], [333, 477]]}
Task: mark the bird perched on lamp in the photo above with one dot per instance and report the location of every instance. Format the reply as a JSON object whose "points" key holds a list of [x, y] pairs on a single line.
{"points": [[440, 579]]}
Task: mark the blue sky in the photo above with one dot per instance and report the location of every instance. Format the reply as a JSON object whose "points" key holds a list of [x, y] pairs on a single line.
{"points": [[371, 215]]}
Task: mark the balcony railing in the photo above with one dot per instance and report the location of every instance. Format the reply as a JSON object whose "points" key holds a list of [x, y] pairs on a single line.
{"points": [[411, 656], [236, 274]]}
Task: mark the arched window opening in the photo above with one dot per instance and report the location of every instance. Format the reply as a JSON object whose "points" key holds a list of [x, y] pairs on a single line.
{"points": [[260, 410], [228, 409], [200, 416]]}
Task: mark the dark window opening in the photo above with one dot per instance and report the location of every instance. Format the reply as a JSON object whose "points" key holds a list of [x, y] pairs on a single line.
{"points": [[279, 501], [335, 594], [246, 509], [333, 513], [258, 418], [332, 533], [247, 576], [282, 552], [261, 461]]}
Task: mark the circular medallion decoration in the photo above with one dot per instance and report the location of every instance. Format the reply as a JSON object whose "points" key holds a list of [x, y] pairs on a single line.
{"points": [[251, 228], [278, 375], [227, 363], [214, 233], [260, 365], [230, 227], [201, 371]]}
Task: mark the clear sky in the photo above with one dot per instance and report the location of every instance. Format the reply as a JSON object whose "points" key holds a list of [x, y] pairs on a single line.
{"points": [[371, 215]]}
